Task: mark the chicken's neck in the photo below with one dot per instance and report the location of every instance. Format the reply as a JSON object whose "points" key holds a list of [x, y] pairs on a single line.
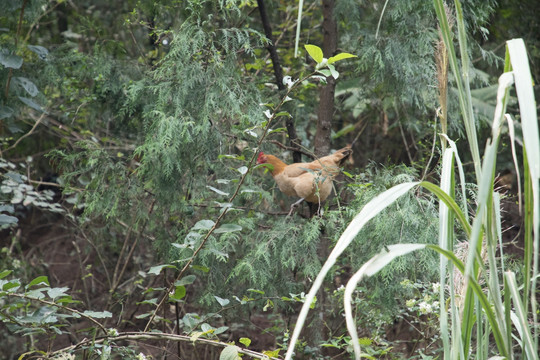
{"points": [[277, 164]]}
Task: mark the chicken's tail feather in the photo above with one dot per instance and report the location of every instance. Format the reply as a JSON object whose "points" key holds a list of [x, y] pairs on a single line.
{"points": [[342, 155]]}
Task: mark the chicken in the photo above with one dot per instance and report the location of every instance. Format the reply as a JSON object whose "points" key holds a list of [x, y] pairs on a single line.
{"points": [[312, 181]]}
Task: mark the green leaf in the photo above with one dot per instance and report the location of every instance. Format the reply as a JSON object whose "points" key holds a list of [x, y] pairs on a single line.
{"points": [[242, 170], [5, 273], [333, 71], [203, 225], [40, 280], [204, 269], [340, 56], [245, 341], [27, 85], [325, 72], [222, 302], [5, 112], [8, 285], [217, 191], [10, 60], [57, 292], [230, 353], [220, 330], [256, 291], [156, 270], [179, 293], [8, 219], [39, 50], [283, 113], [98, 314], [34, 105], [315, 52], [271, 353], [227, 228], [186, 280]]}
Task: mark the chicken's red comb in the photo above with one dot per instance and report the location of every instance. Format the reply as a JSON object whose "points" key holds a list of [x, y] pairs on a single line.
{"points": [[260, 157]]}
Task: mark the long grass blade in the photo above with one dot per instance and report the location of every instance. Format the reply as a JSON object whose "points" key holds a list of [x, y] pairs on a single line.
{"points": [[370, 268], [484, 302], [446, 238], [451, 203], [531, 139], [522, 323], [298, 27], [461, 172], [370, 210]]}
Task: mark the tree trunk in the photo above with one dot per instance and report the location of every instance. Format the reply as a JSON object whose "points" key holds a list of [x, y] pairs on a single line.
{"points": [[326, 104], [294, 142]]}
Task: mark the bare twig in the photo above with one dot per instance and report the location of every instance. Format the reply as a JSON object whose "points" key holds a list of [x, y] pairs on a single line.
{"points": [[289, 148], [134, 336], [60, 306], [39, 120]]}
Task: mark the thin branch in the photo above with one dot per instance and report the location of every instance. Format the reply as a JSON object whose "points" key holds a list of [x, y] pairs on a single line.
{"points": [[28, 133], [135, 336], [289, 148], [50, 303]]}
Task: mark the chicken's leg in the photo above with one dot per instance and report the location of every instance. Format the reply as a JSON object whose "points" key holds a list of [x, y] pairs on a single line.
{"points": [[294, 206]]}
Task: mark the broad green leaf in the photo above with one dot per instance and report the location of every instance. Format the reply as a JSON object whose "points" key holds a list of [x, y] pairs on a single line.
{"points": [[333, 71], [57, 292], [204, 269], [9, 284], [220, 330], [222, 302], [27, 85], [325, 72], [207, 328], [245, 341], [152, 301], [271, 353], [179, 293], [340, 56], [283, 113], [40, 280], [98, 314], [39, 50], [315, 52], [203, 225], [156, 270], [8, 219], [5, 112], [5, 273], [10, 60], [230, 353], [34, 105], [186, 280], [227, 228]]}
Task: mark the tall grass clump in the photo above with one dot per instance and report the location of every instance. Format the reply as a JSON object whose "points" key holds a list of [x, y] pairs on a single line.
{"points": [[485, 312]]}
